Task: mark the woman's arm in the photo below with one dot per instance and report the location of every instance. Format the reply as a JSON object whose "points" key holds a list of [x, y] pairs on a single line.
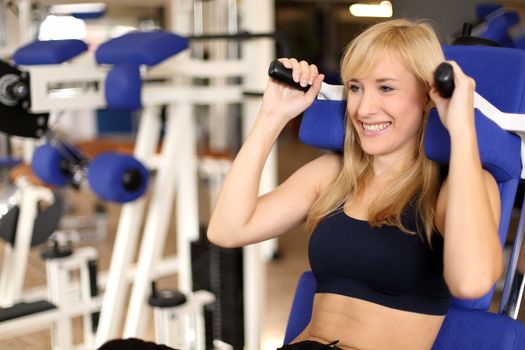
{"points": [[468, 209], [240, 217]]}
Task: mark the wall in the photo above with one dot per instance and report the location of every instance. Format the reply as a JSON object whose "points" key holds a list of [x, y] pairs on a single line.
{"points": [[448, 15]]}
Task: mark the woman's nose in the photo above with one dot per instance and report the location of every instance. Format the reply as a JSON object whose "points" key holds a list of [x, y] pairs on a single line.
{"points": [[367, 104]]}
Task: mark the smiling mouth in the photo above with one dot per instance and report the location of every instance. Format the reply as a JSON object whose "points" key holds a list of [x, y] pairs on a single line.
{"points": [[376, 127]]}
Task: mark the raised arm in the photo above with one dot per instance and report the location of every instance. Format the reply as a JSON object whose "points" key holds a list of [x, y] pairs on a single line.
{"points": [[468, 209], [240, 217]]}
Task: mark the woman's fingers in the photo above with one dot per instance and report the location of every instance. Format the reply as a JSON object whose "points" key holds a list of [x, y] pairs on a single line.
{"points": [[302, 72]]}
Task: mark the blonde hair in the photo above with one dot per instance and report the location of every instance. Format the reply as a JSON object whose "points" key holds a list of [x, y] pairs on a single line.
{"points": [[415, 43]]}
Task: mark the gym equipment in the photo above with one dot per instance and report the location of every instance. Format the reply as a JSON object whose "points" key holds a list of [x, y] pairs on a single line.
{"points": [[467, 325], [179, 320], [67, 298], [496, 26], [29, 215], [78, 84], [59, 163]]}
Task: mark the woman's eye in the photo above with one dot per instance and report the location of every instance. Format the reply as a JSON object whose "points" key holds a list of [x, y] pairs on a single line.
{"points": [[354, 88], [386, 88]]}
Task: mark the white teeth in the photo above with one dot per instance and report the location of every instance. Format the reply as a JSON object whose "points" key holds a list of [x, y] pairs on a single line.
{"points": [[376, 127]]}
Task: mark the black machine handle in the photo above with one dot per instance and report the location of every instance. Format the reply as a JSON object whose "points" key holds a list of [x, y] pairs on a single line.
{"points": [[444, 79], [279, 72]]}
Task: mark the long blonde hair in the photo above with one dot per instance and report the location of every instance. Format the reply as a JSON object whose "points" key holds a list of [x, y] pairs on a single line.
{"points": [[415, 43]]}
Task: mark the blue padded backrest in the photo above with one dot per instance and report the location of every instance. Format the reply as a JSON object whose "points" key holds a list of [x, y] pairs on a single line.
{"points": [[49, 52], [149, 48]]}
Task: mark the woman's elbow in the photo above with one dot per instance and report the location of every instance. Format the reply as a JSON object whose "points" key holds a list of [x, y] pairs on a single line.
{"points": [[475, 287], [219, 239]]}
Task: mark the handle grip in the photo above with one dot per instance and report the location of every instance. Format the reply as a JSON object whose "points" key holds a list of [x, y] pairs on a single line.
{"points": [[279, 72], [444, 79]]}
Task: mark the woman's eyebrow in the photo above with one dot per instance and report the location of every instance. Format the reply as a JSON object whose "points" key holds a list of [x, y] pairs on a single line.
{"points": [[378, 80], [382, 80]]}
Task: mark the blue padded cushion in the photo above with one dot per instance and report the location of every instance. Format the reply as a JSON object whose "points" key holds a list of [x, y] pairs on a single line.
{"points": [[491, 141], [105, 174], [323, 125], [49, 52], [479, 330], [301, 311], [122, 87], [46, 165], [149, 48], [89, 15]]}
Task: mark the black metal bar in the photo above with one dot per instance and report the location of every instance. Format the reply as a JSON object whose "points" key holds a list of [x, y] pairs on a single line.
{"points": [[244, 35]]}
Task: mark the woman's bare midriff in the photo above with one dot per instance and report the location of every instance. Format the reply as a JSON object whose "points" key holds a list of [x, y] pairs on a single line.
{"points": [[362, 325]]}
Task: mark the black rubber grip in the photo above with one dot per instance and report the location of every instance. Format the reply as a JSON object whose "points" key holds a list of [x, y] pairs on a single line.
{"points": [[279, 72], [444, 79]]}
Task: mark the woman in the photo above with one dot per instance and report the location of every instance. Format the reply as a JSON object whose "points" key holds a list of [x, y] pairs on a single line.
{"points": [[393, 235]]}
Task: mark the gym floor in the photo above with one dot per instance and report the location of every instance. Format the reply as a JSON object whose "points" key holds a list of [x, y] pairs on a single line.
{"points": [[282, 273]]}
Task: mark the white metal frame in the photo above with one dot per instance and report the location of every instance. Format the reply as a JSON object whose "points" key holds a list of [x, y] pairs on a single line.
{"points": [[182, 327], [16, 256], [71, 300]]}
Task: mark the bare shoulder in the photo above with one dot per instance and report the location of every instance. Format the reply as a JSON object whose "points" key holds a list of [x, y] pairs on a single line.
{"points": [[324, 169], [330, 162]]}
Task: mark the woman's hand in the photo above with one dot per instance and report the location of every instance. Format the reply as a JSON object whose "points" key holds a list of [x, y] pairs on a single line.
{"points": [[457, 112], [284, 102]]}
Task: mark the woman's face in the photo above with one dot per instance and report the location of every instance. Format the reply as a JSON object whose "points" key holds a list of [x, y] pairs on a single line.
{"points": [[386, 108]]}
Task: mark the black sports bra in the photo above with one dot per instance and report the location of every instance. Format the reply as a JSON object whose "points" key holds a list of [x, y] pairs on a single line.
{"points": [[382, 265]]}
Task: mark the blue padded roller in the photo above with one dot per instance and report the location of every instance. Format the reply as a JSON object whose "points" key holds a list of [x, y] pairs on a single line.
{"points": [[46, 165], [123, 87], [149, 48], [117, 177], [49, 52]]}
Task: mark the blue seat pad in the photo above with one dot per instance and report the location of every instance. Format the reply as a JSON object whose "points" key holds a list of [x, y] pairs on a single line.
{"points": [[149, 48], [49, 52]]}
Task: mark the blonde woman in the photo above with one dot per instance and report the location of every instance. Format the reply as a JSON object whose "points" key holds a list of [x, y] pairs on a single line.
{"points": [[393, 236]]}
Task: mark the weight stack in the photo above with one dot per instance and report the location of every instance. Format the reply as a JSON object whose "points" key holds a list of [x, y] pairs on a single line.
{"points": [[220, 271]]}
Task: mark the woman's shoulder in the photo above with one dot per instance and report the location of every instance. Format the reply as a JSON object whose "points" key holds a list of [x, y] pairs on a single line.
{"points": [[324, 169], [328, 165]]}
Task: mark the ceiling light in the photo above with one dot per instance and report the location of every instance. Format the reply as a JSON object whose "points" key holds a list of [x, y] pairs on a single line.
{"points": [[68, 9], [383, 9]]}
